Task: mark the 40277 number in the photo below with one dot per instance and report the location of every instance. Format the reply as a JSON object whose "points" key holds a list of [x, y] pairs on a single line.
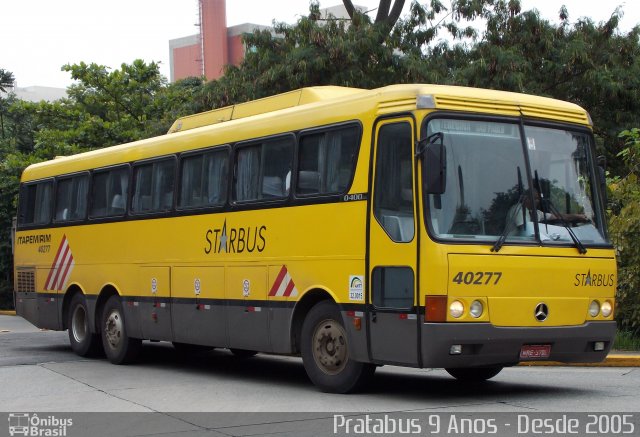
{"points": [[477, 278]]}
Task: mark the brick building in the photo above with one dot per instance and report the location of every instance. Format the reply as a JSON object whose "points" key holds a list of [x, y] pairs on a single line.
{"points": [[206, 53]]}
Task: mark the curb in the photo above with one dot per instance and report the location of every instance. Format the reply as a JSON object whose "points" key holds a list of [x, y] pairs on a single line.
{"points": [[612, 360], [7, 313]]}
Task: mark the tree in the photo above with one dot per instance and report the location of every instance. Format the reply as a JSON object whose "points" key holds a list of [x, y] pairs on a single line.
{"points": [[386, 15], [593, 65], [624, 226], [6, 80], [104, 108]]}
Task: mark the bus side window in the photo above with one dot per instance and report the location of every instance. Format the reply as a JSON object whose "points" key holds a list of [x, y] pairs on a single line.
{"points": [[203, 179], [71, 198], [35, 203], [109, 192], [326, 161], [261, 170], [153, 186]]}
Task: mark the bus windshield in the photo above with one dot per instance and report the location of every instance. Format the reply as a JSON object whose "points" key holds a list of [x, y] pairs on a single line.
{"points": [[490, 193]]}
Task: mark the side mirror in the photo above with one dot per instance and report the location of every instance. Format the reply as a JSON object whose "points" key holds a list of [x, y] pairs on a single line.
{"points": [[434, 168]]}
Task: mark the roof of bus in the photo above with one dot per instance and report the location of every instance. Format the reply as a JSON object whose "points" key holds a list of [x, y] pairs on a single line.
{"points": [[292, 111]]}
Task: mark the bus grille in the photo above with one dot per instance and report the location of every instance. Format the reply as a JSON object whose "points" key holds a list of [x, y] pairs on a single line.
{"points": [[26, 281]]}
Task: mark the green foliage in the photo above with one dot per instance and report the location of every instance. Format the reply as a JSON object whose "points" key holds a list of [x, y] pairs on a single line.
{"points": [[6, 80], [104, 108], [624, 226], [626, 341]]}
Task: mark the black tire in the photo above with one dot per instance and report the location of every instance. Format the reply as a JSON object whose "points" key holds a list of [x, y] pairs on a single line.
{"points": [[118, 346], [243, 353], [82, 340], [325, 352], [190, 349], [474, 374]]}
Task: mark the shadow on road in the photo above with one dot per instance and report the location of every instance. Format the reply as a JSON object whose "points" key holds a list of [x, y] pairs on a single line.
{"points": [[388, 381]]}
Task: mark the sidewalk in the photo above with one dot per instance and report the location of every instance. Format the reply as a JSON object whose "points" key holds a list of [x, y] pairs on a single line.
{"points": [[614, 359]]}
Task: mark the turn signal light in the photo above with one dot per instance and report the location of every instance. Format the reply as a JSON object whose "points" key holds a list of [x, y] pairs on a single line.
{"points": [[435, 308]]}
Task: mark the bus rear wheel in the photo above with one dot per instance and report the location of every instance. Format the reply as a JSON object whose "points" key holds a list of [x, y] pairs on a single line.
{"points": [[82, 340], [118, 346], [325, 352], [474, 374]]}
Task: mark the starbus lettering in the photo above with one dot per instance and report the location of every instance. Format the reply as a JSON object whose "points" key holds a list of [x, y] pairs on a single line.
{"points": [[594, 280], [235, 240]]}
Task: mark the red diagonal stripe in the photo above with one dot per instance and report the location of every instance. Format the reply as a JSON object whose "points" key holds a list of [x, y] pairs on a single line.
{"points": [[56, 277], [278, 281], [65, 273], [55, 260], [289, 289]]}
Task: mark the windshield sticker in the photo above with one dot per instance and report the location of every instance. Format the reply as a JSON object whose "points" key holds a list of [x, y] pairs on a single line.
{"points": [[531, 143]]}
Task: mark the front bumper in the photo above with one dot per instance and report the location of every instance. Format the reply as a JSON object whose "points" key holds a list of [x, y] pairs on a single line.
{"points": [[486, 345]]}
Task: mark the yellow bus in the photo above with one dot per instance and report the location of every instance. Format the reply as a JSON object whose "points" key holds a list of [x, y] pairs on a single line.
{"points": [[411, 225]]}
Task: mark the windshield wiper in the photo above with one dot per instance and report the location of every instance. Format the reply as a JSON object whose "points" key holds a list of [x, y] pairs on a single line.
{"points": [[431, 139], [567, 226], [509, 225], [547, 202]]}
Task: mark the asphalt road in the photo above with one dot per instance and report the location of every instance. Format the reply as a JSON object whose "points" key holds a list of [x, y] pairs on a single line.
{"points": [[40, 373]]}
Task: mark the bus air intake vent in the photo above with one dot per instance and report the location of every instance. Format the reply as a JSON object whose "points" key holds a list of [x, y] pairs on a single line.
{"points": [[26, 281], [567, 113]]}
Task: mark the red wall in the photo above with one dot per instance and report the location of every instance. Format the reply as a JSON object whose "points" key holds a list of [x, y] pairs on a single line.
{"points": [[214, 29], [236, 50], [186, 62]]}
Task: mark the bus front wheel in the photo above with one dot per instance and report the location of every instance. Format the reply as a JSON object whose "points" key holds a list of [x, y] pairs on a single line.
{"points": [[325, 352], [82, 340], [474, 374], [118, 346]]}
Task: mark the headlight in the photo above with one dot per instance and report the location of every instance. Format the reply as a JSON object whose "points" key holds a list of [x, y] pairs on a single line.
{"points": [[606, 308], [456, 309], [594, 308], [476, 309]]}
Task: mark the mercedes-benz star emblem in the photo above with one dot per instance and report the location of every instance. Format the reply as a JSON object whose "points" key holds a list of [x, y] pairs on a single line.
{"points": [[542, 312]]}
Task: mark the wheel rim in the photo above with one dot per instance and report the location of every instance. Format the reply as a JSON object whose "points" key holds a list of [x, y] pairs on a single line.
{"points": [[79, 325], [330, 347], [113, 329]]}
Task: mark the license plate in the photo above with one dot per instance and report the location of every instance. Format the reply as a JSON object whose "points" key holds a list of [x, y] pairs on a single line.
{"points": [[535, 351]]}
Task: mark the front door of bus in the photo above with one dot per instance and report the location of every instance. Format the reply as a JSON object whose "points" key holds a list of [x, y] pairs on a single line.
{"points": [[391, 306]]}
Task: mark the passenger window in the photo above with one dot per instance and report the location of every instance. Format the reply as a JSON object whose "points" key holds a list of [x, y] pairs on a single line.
{"points": [[153, 186], [109, 192], [326, 161], [393, 191], [71, 198], [203, 180], [35, 203], [263, 171]]}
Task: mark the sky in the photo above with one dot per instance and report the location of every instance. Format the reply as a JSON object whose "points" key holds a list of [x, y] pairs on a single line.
{"points": [[37, 37]]}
